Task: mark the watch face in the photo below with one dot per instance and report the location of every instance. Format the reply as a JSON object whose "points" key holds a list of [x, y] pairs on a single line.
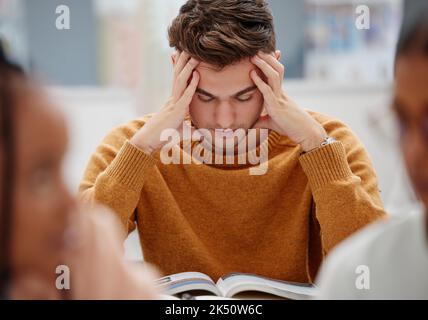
{"points": [[328, 141]]}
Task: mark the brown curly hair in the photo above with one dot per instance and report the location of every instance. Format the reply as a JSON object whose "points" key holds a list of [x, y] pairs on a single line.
{"points": [[222, 32]]}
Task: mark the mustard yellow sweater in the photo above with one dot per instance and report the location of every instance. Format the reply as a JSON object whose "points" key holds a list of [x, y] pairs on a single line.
{"points": [[218, 219]]}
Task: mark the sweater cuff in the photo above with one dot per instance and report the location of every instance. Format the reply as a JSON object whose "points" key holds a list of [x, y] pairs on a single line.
{"points": [[325, 165], [130, 166]]}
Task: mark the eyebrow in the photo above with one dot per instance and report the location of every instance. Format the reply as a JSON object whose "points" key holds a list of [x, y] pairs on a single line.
{"points": [[240, 93]]}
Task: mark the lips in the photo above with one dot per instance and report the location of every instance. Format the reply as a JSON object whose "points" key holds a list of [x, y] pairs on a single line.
{"points": [[225, 133], [228, 133]]}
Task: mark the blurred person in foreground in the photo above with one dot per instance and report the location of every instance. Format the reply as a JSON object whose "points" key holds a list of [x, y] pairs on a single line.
{"points": [[315, 186], [389, 260], [42, 227]]}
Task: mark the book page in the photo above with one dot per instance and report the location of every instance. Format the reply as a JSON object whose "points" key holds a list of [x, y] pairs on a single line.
{"points": [[187, 281], [212, 298], [232, 284]]}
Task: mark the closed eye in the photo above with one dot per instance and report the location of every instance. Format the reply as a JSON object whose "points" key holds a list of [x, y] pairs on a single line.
{"points": [[244, 99], [205, 98]]}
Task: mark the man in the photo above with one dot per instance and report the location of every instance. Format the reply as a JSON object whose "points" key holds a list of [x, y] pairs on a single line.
{"points": [[390, 260], [216, 216]]}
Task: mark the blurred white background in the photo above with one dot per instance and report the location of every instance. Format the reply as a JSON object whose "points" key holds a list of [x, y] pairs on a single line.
{"points": [[113, 65]]}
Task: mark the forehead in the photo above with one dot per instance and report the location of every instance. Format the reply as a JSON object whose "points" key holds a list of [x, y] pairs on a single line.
{"points": [[411, 83], [229, 80]]}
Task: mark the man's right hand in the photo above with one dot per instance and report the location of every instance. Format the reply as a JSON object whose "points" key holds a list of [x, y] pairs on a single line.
{"points": [[172, 115]]}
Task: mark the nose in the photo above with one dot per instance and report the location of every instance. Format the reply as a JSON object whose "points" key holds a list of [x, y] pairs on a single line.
{"points": [[225, 116]]}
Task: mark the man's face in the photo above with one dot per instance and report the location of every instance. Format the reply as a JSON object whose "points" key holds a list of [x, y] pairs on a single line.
{"points": [[411, 106], [226, 100]]}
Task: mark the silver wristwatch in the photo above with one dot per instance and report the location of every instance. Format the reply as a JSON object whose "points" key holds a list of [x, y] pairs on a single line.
{"points": [[327, 141]]}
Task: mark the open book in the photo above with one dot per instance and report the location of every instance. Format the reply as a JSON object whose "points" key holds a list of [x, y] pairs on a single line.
{"points": [[233, 284]]}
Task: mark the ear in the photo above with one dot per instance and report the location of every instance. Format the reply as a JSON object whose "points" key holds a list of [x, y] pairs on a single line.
{"points": [[278, 55]]}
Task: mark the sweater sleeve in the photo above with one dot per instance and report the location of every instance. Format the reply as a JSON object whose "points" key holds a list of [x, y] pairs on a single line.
{"points": [[343, 184], [116, 173]]}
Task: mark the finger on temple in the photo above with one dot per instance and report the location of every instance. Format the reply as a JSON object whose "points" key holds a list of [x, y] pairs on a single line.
{"points": [[187, 96], [186, 76], [274, 63], [182, 60], [273, 76], [268, 94]]}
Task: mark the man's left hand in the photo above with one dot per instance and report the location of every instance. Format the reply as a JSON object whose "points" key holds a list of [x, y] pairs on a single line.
{"points": [[284, 115]]}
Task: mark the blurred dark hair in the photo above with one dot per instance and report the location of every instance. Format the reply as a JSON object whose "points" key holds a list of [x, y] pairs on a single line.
{"points": [[414, 32], [8, 70]]}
